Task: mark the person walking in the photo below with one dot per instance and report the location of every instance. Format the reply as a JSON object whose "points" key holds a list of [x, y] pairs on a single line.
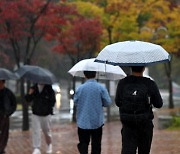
{"points": [[43, 100], [135, 97], [89, 99], [7, 107]]}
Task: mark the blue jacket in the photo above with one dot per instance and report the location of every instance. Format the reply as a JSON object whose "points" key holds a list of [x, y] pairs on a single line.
{"points": [[90, 98]]}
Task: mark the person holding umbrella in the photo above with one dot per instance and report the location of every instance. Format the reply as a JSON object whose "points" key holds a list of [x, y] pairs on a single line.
{"points": [[89, 99], [7, 107], [135, 97], [43, 100], [135, 94]]}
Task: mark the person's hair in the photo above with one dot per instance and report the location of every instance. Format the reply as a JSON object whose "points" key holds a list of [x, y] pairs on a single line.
{"points": [[138, 69], [90, 74], [3, 81]]}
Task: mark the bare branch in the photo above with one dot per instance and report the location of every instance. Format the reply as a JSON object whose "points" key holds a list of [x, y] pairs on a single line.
{"points": [[32, 32]]}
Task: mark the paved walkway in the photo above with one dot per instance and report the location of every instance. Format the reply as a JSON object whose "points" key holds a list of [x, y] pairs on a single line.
{"points": [[65, 140]]}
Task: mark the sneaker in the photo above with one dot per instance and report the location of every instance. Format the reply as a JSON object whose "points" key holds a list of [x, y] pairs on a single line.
{"points": [[49, 149], [36, 151]]}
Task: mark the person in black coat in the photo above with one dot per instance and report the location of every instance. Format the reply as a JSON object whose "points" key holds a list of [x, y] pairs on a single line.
{"points": [[135, 97], [7, 107], [43, 100]]}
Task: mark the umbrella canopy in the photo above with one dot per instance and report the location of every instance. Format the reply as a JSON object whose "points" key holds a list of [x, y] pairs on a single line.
{"points": [[133, 53], [36, 74], [104, 71], [7, 75]]}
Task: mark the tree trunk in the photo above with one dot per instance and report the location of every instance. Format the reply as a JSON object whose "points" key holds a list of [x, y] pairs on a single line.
{"points": [[109, 30], [25, 124], [168, 73]]}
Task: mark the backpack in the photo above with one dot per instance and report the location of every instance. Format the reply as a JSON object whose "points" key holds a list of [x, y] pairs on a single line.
{"points": [[135, 103]]}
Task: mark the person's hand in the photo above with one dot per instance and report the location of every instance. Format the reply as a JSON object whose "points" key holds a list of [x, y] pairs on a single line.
{"points": [[31, 90]]}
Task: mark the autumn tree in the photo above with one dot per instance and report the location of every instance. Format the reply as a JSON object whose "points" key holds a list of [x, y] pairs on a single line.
{"points": [[80, 40], [81, 37], [23, 24], [159, 24]]}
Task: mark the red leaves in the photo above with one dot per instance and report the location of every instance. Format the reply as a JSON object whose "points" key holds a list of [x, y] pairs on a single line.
{"points": [[87, 30], [84, 36], [24, 18], [10, 19], [28, 21]]}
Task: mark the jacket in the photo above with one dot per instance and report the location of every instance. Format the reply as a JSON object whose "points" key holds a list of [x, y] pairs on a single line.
{"points": [[153, 92], [7, 102], [42, 102]]}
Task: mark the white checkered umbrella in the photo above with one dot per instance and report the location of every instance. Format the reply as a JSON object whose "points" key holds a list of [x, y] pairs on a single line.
{"points": [[104, 71], [133, 53]]}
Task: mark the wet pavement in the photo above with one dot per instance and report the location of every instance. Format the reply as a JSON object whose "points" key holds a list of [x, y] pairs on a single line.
{"points": [[65, 139]]}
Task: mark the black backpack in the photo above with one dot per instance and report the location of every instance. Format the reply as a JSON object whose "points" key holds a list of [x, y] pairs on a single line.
{"points": [[135, 103]]}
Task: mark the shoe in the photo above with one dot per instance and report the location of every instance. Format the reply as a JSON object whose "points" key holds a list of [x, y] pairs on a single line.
{"points": [[36, 151], [49, 149]]}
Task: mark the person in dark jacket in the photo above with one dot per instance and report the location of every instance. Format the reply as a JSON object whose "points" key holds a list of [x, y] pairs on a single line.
{"points": [[135, 114], [7, 107], [43, 99]]}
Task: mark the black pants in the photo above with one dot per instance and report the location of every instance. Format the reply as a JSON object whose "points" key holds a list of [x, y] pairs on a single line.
{"points": [[4, 133], [84, 138], [137, 136]]}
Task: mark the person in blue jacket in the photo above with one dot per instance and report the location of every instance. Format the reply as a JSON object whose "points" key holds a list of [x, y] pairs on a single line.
{"points": [[89, 99]]}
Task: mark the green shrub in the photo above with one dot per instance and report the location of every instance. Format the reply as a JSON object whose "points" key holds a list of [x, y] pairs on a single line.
{"points": [[175, 123], [19, 107]]}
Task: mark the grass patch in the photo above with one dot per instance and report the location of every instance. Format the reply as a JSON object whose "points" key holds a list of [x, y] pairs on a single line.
{"points": [[19, 107], [175, 123]]}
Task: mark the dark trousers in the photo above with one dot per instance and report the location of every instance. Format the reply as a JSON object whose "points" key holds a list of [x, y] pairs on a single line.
{"points": [[137, 136], [85, 135], [4, 133]]}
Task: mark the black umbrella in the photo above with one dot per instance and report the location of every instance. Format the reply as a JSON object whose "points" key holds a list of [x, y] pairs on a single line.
{"points": [[7, 75], [36, 74]]}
